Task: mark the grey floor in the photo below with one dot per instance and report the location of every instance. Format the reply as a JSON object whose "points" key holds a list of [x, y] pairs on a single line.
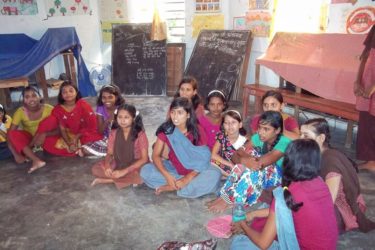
{"points": [[55, 207]]}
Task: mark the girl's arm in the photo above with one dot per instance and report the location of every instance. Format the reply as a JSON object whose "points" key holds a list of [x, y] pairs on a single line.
{"points": [[158, 162], [259, 213], [216, 157], [358, 88], [263, 161], [265, 238], [135, 166], [101, 124], [333, 184], [293, 135]]}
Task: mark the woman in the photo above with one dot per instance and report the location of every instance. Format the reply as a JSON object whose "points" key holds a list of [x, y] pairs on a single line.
{"points": [[302, 213], [341, 178]]}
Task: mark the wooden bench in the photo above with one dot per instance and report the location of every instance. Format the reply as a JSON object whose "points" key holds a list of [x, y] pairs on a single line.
{"points": [[340, 109]]}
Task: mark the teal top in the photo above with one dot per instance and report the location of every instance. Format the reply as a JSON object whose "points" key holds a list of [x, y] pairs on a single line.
{"points": [[280, 146]]}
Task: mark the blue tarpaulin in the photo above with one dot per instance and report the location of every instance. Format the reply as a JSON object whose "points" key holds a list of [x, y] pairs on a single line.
{"points": [[21, 56]]}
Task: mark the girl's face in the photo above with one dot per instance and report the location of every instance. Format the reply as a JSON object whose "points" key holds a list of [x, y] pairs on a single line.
{"points": [[231, 126], [267, 133], [272, 104], [69, 94], [308, 132], [124, 119], [108, 99], [179, 117], [216, 106], [31, 99], [186, 90]]}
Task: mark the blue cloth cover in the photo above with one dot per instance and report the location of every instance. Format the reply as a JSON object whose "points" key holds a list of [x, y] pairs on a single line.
{"points": [[286, 234], [21, 56], [192, 157]]}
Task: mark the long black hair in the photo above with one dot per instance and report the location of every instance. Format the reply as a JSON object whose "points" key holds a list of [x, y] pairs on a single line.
{"points": [[33, 89], [275, 94], [191, 123], [218, 94], [60, 98], [320, 126], [196, 99], [114, 90], [275, 120], [137, 125], [301, 163], [2, 109], [235, 115]]}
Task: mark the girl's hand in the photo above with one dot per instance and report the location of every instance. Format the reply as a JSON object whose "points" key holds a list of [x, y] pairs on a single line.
{"points": [[39, 139], [172, 182], [236, 228], [108, 172], [367, 93], [119, 173]]}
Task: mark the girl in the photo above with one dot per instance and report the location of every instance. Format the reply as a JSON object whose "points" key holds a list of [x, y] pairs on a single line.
{"points": [[301, 215], [188, 169], [127, 150], [228, 142], [273, 100], [211, 122], [364, 89], [24, 134], [341, 178], [76, 122], [260, 170], [188, 88], [109, 99], [5, 122]]}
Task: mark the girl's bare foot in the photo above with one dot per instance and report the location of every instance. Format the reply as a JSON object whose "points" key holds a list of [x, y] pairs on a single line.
{"points": [[36, 165], [19, 158], [80, 153], [218, 206], [100, 181], [165, 188]]}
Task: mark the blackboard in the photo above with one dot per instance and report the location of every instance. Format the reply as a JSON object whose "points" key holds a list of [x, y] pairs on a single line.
{"points": [[138, 64], [219, 61]]}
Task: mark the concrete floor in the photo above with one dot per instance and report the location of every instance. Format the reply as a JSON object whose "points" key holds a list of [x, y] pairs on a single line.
{"points": [[55, 207]]}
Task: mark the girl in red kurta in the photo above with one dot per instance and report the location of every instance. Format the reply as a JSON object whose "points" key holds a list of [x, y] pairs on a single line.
{"points": [[127, 150], [76, 121]]}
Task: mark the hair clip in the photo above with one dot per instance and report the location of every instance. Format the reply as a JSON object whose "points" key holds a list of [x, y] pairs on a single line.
{"points": [[235, 111], [115, 112], [1, 106], [285, 188], [136, 113], [217, 91]]}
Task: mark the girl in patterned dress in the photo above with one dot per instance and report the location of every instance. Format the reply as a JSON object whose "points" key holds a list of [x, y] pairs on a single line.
{"points": [[258, 171], [228, 141]]}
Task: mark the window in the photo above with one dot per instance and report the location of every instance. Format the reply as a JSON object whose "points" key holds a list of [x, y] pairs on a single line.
{"points": [[173, 12]]}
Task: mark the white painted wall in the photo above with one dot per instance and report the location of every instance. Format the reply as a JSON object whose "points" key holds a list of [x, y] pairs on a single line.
{"points": [[87, 28]]}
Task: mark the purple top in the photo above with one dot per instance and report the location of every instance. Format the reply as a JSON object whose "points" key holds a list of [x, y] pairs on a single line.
{"points": [[101, 111]]}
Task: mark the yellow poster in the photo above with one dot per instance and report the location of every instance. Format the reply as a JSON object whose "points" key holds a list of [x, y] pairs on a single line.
{"points": [[106, 27], [207, 22]]}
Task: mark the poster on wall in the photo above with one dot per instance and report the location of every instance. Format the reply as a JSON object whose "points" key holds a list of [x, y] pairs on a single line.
{"points": [[207, 22], [67, 7], [112, 10], [259, 22], [259, 4], [360, 20], [18, 7], [239, 23], [207, 5]]}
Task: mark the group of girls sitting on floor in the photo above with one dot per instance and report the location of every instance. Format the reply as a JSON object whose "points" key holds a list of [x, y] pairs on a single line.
{"points": [[195, 149]]}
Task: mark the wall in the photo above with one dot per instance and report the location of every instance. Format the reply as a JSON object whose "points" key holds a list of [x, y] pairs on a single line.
{"points": [[87, 28]]}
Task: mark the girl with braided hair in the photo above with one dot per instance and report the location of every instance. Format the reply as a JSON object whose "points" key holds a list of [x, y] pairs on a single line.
{"points": [[258, 171], [301, 214]]}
